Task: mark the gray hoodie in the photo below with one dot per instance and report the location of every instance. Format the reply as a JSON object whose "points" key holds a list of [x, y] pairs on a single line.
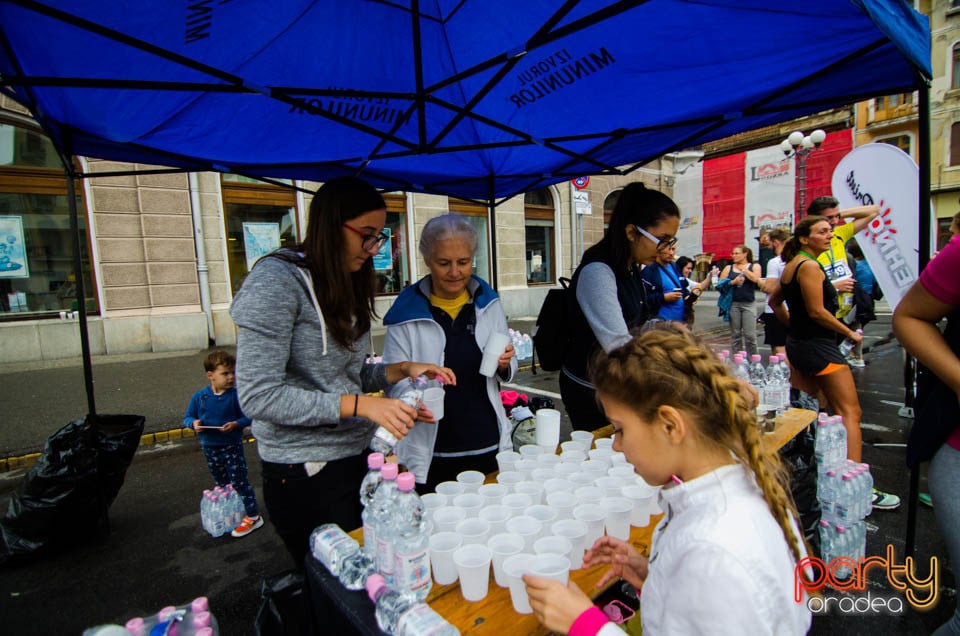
{"points": [[291, 372]]}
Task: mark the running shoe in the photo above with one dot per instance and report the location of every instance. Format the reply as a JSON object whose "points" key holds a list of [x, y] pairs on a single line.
{"points": [[884, 500], [247, 526]]}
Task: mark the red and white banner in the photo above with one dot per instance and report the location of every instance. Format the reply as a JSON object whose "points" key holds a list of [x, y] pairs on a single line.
{"points": [[768, 193]]}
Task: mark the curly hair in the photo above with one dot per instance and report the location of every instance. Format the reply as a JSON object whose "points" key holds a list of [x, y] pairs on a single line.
{"points": [[670, 366], [218, 358]]}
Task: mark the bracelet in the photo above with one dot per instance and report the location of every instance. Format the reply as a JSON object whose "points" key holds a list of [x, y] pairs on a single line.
{"points": [[356, 401]]}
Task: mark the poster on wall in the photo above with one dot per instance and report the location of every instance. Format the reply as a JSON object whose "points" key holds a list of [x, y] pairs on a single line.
{"points": [[259, 239], [383, 259], [768, 193], [13, 253]]}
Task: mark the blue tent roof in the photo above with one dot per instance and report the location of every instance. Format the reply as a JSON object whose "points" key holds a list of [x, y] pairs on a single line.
{"points": [[472, 98]]}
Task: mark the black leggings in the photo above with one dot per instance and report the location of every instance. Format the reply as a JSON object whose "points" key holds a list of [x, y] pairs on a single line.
{"points": [[297, 504], [581, 405]]}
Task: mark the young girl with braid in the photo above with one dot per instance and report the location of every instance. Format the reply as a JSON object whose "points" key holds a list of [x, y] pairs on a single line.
{"points": [[722, 559]]}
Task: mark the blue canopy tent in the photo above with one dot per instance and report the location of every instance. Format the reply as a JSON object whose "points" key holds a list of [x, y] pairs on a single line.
{"points": [[477, 99]]}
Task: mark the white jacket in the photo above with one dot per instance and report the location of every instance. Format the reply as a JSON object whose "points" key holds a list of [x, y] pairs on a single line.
{"points": [[412, 334], [719, 563]]}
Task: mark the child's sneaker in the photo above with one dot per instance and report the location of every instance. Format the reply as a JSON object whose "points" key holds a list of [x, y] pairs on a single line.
{"points": [[247, 526], [884, 500]]}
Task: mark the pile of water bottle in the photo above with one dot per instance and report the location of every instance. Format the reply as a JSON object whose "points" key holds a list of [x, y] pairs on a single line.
{"points": [[192, 619], [221, 510], [772, 382], [845, 491], [394, 562], [522, 344]]}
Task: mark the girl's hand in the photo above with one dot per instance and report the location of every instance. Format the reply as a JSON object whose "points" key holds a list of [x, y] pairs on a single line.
{"points": [[413, 370], [503, 363], [625, 562], [556, 606], [393, 415]]}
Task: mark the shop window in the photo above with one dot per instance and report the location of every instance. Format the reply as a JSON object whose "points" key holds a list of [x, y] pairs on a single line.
{"points": [[36, 246], [538, 223], [477, 215], [392, 262]]}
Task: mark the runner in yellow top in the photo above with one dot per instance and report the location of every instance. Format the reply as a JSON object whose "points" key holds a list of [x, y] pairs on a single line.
{"points": [[834, 260]]}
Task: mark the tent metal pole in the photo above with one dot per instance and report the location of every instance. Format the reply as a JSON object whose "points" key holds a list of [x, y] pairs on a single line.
{"points": [[81, 293], [492, 216], [923, 154]]}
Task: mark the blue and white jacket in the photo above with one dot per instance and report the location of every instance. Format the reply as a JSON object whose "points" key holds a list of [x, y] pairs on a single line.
{"points": [[413, 334]]}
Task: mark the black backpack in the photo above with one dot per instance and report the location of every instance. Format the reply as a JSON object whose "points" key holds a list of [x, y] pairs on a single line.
{"points": [[551, 333]]}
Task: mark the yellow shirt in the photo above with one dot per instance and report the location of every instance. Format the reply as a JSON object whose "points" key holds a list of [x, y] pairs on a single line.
{"points": [[835, 263], [451, 305]]}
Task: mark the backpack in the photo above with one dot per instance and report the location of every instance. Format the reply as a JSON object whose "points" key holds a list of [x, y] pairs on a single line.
{"points": [[551, 333]]}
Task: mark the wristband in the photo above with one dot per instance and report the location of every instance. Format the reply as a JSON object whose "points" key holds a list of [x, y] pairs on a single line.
{"points": [[589, 622], [356, 401]]}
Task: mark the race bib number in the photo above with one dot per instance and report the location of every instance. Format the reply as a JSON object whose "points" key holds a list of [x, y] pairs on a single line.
{"points": [[836, 270]]}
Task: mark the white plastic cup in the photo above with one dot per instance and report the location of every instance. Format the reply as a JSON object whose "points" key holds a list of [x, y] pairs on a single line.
{"points": [[581, 479], [433, 400], [473, 570], [584, 437], [640, 497], [595, 467], [593, 515], [530, 451], [527, 527], [432, 501], [572, 456], [564, 502], [517, 502], [474, 531], [526, 467], [532, 489], [449, 488], [507, 461], [548, 429], [576, 532], [442, 547], [551, 566], [470, 503], [554, 545], [603, 455], [515, 567], [471, 480], [510, 479], [497, 517], [495, 347], [548, 460], [493, 494], [541, 475], [574, 445], [446, 519], [603, 442], [558, 485], [611, 486], [566, 470], [588, 494], [617, 523], [503, 546], [618, 459], [544, 514], [626, 473]]}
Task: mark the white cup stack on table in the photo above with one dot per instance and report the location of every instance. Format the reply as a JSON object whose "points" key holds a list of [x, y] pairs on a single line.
{"points": [[495, 347], [548, 429]]}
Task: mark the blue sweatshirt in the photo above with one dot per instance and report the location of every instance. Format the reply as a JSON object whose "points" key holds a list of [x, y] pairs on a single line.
{"points": [[216, 410]]}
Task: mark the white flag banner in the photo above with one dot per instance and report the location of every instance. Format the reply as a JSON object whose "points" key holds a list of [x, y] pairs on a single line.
{"points": [[768, 194], [884, 175], [688, 195]]}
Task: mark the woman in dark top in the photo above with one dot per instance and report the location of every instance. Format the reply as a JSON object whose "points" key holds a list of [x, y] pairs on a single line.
{"points": [[744, 276], [816, 362]]}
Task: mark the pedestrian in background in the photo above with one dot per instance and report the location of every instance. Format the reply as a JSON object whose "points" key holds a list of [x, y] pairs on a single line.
{"points": [[214, 414], [685, 264], [303, 317], [667, 291], [446, 318], [865, 293], [743, 276], [608, 278], [774, 332]]}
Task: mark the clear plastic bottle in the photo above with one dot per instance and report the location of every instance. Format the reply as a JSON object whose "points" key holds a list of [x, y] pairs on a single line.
{"points": [[206, 513], [330, 545], [371, 480], [402, 615], [776, 392], [740, 369], [868, 487], [355, 569], [758, 376], [377, 520], [411, 544], [236, 508], [785, 371], [384, 441], [827, 549], [847, 345]]}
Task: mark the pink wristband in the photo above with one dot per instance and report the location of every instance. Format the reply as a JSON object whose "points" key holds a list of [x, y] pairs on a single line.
{"points": [[589, 622]]}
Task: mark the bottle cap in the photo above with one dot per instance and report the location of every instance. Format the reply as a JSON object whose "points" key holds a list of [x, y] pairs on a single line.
{"points": [[755, 358], [405, 481], [773, 359], [165, 613], [373, 585], [201, 619], [200, 604], [204, 631], [375, 461], [389, 471], [134, 625]]}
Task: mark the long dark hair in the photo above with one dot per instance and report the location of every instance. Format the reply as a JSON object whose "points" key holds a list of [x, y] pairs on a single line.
{"points": [[638, 206], [346, 298], [793, 246]]}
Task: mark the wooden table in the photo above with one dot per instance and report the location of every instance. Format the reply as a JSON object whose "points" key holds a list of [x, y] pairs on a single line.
{"points": [[495, 615]]}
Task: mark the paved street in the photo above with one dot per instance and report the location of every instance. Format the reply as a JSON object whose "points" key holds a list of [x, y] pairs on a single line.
{"points": [[157, 554]]}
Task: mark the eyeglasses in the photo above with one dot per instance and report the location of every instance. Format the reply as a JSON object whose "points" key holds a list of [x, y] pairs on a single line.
{"points": [[661, 243], [371, 242]]}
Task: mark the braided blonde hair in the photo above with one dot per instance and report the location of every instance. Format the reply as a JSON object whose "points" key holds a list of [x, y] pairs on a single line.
{"points": [[670, 366]]}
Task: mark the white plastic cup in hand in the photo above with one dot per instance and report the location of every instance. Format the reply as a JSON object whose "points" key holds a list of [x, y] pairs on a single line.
{"points": [[497, 517], [473, 570], [515, 567], [584, 437], [617, 523], [495, 347], [471, 480], [576, 532], [507, 461], [474, 531], [527, 527], [548, 429], [551, 566], [470, 503], [493, 494], [593, 515], [446, 519], [433, 400], [503, 546], [442, 547]]}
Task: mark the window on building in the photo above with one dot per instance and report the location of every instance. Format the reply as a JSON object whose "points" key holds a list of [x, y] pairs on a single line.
{"points": [[477, 215], [955, 74], [943, 232], [36, 246], [608, 205], [900, 141], [392, 262], [539, 225], [955, 144], [259, 218]]}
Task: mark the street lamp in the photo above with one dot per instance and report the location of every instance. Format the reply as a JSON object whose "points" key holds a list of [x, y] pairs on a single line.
{"points": [[800, 146]]}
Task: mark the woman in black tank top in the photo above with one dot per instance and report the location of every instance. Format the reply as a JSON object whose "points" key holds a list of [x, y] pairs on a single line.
{"points": [[816, 362]]}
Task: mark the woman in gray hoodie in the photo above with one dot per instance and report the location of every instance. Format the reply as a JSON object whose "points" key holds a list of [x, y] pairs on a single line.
{"points": [[303, 317]]}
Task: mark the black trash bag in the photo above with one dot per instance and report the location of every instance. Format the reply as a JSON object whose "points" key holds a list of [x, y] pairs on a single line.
{"points": [[77, 476], [283, 607], [798, 456], [540, 402]]}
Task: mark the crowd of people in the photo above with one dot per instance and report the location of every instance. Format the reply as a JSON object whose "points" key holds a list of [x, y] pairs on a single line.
{"points": [[304, 316]]}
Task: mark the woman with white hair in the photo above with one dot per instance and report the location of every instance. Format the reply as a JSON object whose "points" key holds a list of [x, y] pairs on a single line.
{"points": [[447, 316]]}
